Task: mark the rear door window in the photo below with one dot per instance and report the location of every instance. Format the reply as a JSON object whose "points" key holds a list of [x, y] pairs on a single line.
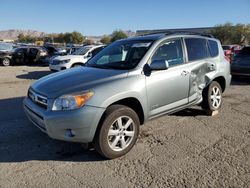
{"points": [[213, 48], [196, 48]]}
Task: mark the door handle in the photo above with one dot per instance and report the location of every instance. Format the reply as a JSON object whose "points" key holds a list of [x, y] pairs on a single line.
{"points": [[184, 73]]}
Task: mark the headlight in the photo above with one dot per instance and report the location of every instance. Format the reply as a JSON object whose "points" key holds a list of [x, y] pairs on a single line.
{"points": [[70, 102], [65, 61]]}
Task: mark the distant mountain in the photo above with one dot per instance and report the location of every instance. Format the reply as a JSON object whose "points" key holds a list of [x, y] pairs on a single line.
{"points": [[13, 33]]}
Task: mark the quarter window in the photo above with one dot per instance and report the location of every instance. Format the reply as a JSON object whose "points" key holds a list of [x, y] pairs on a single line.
{"points": [[170, 51], [213, 48], [196, 48]]}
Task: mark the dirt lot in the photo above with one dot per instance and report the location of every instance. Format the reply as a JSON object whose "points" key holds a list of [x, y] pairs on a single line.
{"points": [[184, 149]]}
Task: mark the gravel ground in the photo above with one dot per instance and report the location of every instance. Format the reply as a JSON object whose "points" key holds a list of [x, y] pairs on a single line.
{"points": [[186, 149]]}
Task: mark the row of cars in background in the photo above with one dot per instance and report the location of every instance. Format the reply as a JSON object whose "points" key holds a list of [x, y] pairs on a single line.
{"points": [[57, 58], [27, 54]]}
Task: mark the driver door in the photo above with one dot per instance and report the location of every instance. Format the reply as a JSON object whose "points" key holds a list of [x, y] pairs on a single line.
{"points": [[168, 89]]}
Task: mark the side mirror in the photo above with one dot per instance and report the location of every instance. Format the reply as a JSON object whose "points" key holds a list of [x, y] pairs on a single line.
{"points": [[159, 65]]}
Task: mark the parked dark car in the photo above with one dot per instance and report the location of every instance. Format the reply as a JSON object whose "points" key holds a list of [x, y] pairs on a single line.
{"points": [[25, 55], [241, 63]]}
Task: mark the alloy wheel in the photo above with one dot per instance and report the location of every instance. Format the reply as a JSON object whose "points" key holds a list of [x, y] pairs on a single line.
{"points": [[121, 133]]}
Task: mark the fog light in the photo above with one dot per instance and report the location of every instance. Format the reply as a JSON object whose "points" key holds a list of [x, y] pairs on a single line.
{"points": [[70, 133]]}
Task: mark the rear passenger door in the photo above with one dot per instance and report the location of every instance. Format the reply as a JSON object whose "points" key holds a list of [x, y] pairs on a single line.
{"points": [[168, 89], [33, 55], [200, 64]]}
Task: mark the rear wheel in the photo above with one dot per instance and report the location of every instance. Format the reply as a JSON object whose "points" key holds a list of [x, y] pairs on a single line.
{"points": [[118, 132], [212, 97], [6, 62]]}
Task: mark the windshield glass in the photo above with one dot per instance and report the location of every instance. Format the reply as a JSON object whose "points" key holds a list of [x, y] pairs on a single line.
{"points": [[120, 55], [82, 51]]}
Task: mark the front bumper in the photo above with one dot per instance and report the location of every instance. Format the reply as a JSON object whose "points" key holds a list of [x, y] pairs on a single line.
{"points": [[83, 122], [58, 67]]}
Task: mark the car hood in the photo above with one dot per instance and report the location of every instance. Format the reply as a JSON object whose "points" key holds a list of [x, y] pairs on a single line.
{"points": [[68, 57], [2, 52], [75, 80]]}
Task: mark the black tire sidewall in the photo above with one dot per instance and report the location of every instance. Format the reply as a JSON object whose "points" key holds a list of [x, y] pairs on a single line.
{"points": [[101, 141]]}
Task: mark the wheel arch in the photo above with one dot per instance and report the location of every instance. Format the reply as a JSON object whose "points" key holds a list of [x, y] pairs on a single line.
{"points": [[222, 81]]}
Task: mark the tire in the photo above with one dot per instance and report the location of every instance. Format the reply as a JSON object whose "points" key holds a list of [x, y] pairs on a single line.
{"points": [[118, 132], [212, 97], [6, 62]]}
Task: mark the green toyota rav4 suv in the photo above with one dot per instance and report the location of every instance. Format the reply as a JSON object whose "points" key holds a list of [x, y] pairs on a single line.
{"points": [[126, 84]]}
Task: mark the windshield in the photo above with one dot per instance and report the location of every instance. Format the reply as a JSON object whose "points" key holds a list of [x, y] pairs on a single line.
{"points": [[82, 51], [120, 55]]}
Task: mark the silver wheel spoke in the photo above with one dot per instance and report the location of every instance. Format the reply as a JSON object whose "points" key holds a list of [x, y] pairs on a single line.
{"points": [[216, 103], [114, 143], [119, 122], [129, 133], [218, 97], [123, 142], [213, 102], [113, 132], [128, 123]]}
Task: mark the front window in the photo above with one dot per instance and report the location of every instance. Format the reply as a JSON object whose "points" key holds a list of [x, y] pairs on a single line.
{"points": [[121, 55], [82, 51]]}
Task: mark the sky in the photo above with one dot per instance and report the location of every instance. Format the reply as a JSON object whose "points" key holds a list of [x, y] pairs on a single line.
{"points": [[98, 17]]}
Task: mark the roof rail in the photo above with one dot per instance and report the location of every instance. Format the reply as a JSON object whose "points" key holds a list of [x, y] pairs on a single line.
{"points": [[178, 33]]}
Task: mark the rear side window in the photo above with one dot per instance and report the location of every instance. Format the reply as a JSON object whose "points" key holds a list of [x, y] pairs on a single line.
{"points": [[213, 48], [196, 48]]}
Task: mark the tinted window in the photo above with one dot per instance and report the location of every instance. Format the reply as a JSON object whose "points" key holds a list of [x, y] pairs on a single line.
{"points": [[170, 51], [95, 51], [33, 51], [213, 48], [20, 50], [196, 48]]}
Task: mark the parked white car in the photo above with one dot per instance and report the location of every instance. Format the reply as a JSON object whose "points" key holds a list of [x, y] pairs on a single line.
{"points": [[78, 58]]}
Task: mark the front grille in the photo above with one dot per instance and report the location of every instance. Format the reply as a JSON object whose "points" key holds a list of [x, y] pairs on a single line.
{"points": [[38, 99], [35, 118]]}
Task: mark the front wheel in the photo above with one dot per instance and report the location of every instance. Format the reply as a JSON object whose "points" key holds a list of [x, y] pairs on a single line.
{"points": [[6, 62], [212, 97], [118, 132]]}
